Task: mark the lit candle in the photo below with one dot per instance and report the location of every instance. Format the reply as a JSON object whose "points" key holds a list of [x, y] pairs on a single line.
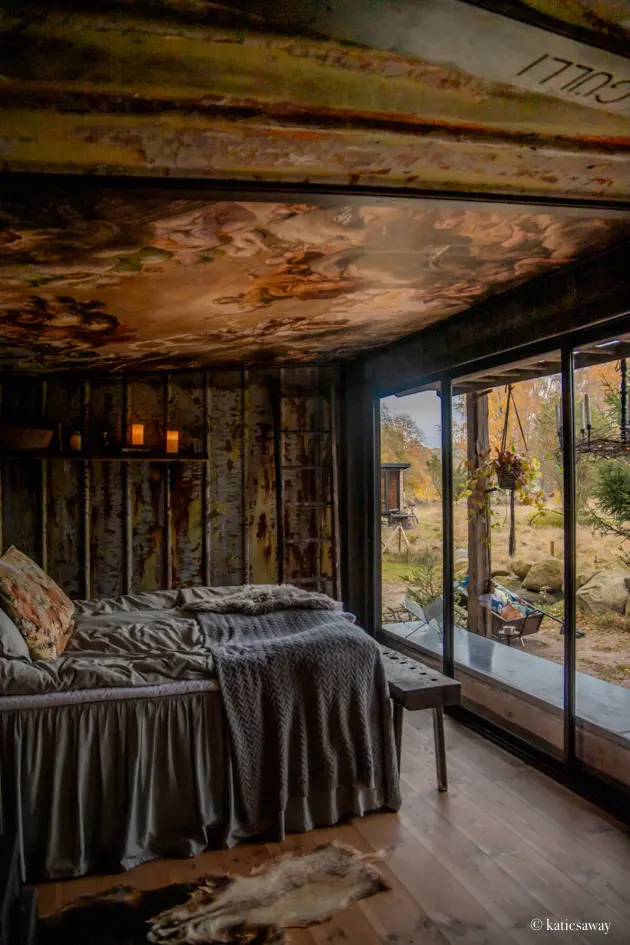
{"points": [[137, 434], [587, 410], [172, 441]]}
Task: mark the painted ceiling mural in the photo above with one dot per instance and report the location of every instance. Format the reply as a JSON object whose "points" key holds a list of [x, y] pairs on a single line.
{"points": [[138, 279]]}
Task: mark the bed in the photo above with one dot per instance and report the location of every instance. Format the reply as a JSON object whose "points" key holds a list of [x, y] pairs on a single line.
{"points": [[175, 721]]}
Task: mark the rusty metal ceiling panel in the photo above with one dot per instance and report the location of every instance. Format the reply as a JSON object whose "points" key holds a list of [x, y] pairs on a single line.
{"points": [[218, 94], [489, 40], [442, 95]]}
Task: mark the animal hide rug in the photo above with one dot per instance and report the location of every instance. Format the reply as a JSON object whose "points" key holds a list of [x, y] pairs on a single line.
{"points": [[288, 892], [295, 891]]}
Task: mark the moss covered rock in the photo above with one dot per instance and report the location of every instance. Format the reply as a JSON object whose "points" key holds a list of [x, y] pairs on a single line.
{"points": [[521, 567], [546, 518], [547, 573]]}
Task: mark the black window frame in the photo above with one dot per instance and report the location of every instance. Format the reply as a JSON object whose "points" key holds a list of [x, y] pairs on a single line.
{"points": [[570, 765]]}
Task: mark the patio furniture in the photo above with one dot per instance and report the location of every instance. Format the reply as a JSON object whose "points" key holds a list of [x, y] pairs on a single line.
{"points": [[414, 686], [507, 629], [514, 627], [406, 519], [431, 614]]}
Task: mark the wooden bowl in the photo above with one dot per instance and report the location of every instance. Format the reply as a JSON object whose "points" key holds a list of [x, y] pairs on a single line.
{"points": [[16, 439]]}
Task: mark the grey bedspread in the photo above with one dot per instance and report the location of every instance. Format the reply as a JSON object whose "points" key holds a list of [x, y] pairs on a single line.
{"points": [[117, 649], [123, 749], [308, 712]]}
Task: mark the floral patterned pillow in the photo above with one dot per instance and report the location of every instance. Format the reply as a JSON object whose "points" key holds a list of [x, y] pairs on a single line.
{"points": [[38, 607]]}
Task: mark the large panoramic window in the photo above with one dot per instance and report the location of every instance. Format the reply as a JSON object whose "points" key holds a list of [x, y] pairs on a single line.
{"points": [[602, 465], [411, 517], [508, 546], [539, 547]]}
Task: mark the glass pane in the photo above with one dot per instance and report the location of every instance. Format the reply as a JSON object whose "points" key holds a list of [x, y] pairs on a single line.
{"points": [[508, 546], [603, 555], [411, 521]]}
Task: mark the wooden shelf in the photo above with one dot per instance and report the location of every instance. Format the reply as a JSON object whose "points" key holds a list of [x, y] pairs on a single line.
{"points": [[113, 457]]}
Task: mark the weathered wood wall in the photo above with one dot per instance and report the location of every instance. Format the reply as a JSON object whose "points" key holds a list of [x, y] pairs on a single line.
{"points": [[106, 527]]}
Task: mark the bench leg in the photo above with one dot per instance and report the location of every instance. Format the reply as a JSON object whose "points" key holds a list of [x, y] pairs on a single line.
{"points": [[440, 748], [398, 727]]}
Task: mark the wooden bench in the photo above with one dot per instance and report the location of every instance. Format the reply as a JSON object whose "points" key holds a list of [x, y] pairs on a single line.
{"points": [[414, 686]]}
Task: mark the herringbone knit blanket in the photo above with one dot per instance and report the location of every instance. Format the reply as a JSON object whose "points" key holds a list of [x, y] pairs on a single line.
{"points": [[308, 713]]}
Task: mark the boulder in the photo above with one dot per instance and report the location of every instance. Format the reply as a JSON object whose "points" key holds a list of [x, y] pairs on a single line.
{"points": [[501, 572], [606, 592], [460, 565], [583, 577], [546, 518], [547, 573], [521, 567]]}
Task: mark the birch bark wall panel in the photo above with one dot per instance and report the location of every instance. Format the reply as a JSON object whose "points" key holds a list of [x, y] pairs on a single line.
{"points": [[102, 524]]}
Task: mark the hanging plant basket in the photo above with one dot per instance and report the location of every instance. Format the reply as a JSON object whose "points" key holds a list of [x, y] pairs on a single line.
{"points": [[513, 471], [506, 479]]}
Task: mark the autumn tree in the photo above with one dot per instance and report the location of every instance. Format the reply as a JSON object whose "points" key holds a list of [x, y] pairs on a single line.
{"points": [[399, 434], [402, 440]]}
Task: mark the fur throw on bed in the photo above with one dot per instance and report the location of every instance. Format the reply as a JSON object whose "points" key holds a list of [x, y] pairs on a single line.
{"points": [[253, 599], [288, 892]]}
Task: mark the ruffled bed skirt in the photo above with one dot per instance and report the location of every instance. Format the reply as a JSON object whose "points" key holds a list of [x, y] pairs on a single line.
{"points": [[96, 786], [108, 785]]}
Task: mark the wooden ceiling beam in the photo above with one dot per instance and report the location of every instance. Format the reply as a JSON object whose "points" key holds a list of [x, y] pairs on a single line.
{"points": [[590, 359]]}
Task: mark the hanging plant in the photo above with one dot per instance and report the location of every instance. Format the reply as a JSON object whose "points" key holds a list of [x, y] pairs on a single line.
{"points": [[513, 471], [509, 469]]}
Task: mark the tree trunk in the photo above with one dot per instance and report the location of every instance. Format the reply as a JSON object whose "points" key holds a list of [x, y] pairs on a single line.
{"points": [[479, 567]]}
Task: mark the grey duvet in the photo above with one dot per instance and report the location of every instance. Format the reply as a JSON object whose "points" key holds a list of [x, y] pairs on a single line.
{"points": [[145, 639], [112, 650]]}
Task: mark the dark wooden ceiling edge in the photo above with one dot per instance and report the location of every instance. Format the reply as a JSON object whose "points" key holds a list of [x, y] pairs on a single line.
{"points": [[497, 378], [525, 370], [12, 182], [244, 14], [514, 10], [590, 292]]}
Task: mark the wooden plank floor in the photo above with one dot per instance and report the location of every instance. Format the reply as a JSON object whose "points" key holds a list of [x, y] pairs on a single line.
{"points": [[505, 846]]}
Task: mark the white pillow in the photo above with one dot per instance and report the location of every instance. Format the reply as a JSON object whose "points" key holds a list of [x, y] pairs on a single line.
{"points": [[12, 643]]}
